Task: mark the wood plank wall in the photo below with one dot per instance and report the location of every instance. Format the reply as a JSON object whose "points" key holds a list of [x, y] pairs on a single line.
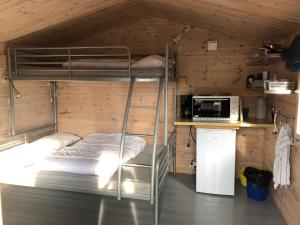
{"points": [[32, 110], [85, 108], [287, 199], [91, 107]]}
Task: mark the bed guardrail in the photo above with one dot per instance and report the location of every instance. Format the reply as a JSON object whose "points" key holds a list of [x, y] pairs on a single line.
{"points": [[165, 157], [56, 63], [62, 63], [163, 160], [22, 137]]}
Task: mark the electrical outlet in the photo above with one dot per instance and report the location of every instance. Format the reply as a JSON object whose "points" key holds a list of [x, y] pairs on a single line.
{"points": [[193, 164]]}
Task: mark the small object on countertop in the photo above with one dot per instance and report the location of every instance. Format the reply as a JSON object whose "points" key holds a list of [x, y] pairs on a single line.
{"points": [[245, 113], [265, 74], [261, 108]]}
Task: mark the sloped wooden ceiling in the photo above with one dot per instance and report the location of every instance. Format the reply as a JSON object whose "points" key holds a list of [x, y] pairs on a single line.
{"points": [[58, 20], [21, 17], [71, 31], [252, 19]]}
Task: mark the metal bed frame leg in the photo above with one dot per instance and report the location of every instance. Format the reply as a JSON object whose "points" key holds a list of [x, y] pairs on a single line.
{"points": [[175, 115], [174, 155], [53, 88], [156, 202], [166, 97]]}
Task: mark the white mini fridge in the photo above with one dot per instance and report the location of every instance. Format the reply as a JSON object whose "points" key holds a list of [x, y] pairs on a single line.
{"points": [[215, 170]]}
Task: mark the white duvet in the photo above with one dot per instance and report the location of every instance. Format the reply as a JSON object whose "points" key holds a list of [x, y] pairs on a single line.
{"points": [[97, 154]]}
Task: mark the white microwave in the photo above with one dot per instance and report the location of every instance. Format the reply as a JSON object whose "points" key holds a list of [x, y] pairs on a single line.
{"points": [[215, 108]]}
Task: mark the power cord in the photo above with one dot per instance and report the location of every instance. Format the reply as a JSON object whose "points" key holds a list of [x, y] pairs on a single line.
{"points": [[191, 136]]}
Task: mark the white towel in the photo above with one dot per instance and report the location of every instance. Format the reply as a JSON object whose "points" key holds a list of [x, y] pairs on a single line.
{"points": [[281, 170]]}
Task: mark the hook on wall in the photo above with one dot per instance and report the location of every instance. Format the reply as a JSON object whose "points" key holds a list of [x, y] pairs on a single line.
{"points": [[17, 94], [275, 114]]}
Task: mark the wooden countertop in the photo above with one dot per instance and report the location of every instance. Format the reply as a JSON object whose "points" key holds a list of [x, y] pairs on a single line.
{"points": [[250, 123]]}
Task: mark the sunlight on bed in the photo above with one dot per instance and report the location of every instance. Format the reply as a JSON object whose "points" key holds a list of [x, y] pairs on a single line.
{"points": [[108, 163], [20, 165], [128, 186]]}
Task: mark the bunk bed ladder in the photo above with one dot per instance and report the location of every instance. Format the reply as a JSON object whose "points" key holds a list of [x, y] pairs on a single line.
{"points": [[126, 133]]}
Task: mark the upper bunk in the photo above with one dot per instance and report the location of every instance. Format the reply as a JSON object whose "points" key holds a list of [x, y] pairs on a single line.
{"points": [[102, 63]]}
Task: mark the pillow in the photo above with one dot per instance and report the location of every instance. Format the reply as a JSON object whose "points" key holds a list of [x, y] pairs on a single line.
{"points": [[56, 141], [15, 158], [151, 61], [25, 155]]}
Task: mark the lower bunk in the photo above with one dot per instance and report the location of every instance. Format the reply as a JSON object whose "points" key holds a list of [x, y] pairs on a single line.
{"points": [[89, 165]]}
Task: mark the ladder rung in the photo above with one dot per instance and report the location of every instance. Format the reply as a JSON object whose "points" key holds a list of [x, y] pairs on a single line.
{"points": [[143, 106], [146, 135], [136, 165]]}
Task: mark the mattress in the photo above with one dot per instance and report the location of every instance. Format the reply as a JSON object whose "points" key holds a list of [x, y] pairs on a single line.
{"points": [[90, 165], [97, 154], [135, 181]]}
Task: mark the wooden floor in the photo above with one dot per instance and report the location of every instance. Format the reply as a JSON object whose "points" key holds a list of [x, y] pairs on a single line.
{"points": [[180, 206]]}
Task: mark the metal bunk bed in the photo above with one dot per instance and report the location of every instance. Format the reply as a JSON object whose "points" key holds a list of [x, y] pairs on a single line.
{"points": [[46, 64]]}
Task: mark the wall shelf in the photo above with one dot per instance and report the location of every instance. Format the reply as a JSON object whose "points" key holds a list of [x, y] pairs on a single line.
{"points": [[265, 59], [250, 123], [278, 92]]}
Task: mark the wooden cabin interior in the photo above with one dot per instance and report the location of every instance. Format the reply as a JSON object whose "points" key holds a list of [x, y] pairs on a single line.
{"points": [[240, 32]]}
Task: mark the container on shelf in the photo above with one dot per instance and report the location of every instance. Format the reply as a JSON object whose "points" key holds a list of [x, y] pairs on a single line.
{"points": [[279, 86], [261, 108], [265, 74]]}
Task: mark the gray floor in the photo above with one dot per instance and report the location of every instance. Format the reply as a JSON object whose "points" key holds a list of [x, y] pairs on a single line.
{"points": [[180, 206]]}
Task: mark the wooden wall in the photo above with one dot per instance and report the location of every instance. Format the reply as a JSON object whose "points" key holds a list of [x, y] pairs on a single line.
{"points": [[85, 108], [32, 110], [287, 199], [90, 107]]}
